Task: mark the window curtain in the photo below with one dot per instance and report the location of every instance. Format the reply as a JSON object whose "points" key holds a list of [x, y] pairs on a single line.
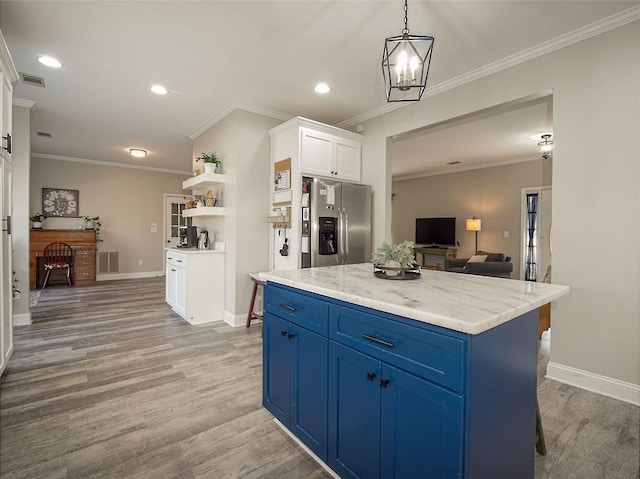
{"points": [[531, 260]]}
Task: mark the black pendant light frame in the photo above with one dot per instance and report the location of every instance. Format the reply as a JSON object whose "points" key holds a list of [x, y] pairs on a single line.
{"points": [[418, 46]]}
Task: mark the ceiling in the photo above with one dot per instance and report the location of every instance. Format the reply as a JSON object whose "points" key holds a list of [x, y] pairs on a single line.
{"points": [[265, 56]]}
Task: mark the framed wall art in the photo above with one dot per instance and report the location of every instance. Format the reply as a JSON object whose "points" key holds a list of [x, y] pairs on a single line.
{"points": [[60, 202]]}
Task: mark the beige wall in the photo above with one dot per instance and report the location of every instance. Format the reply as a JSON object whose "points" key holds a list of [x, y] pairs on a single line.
{"points": [[492, 194], [596, 190], [127, 201], [241, 141]]}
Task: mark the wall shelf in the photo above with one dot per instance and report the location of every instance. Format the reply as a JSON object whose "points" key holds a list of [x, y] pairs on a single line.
{"points": [[204, 180], [204, 211]]}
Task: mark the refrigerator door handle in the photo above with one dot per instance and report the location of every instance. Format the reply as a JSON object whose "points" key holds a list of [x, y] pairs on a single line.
{"points": [[345, 244], [339, 256]]}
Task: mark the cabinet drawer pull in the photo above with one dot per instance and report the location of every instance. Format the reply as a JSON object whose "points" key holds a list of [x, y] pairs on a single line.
{"points": [[375, 339], [284, 333], [288, 308], [172, 269], [290, 335], [178, 261], [384, 383], [371, 376]]}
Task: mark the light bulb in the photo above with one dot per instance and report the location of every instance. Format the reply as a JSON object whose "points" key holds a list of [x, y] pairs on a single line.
{"points": [[415, 63]]}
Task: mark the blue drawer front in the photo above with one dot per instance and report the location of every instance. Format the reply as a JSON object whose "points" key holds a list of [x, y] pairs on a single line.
{"points": [[299, 308], [416, 349]]}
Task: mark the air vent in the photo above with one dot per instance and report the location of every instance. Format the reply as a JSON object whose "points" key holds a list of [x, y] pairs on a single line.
{"points": [[108, 262], [44, 134], [453, 163], [31, 80]]}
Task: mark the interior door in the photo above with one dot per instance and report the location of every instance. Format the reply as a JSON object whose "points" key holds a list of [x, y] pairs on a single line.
{"points": [[174, 205]]}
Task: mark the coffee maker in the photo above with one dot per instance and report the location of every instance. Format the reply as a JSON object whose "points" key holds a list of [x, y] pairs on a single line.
{"points": [[189, 237]]}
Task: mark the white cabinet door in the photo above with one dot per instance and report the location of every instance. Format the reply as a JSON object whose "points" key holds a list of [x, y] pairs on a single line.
{"points": [[6, 269], [171, 292], [181, 290], [347, 160], [316, 153]]}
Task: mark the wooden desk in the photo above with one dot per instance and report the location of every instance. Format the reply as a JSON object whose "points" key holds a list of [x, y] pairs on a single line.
{"points": [[83, 243], [440, 254]]}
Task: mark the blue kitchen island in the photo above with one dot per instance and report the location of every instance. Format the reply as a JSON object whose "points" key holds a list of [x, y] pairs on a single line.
{"points": [[427, 378]]}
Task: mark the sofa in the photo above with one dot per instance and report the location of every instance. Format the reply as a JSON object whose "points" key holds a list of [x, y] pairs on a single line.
{"points": [[483, 263]]}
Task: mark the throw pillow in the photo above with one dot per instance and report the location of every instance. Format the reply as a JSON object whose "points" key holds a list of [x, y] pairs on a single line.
{"points": [[478, 258]]}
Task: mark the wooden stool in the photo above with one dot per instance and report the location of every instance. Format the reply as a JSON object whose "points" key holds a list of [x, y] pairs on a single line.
{"points": [[252, 314]]}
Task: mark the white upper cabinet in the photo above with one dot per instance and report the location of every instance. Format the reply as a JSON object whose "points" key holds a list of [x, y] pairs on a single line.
{"points": [[330, 155]]}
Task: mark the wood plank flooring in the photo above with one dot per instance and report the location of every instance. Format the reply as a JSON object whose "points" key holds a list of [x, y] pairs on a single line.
{"points": [[108, 382]]}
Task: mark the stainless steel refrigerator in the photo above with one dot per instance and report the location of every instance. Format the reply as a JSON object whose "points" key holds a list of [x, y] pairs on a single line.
{"points": [[336, 222]]}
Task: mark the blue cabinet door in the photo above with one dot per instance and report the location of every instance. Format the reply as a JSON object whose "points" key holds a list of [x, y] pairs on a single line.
{"points": [[276, 354], [354, 413], [421, 430], [309, 388]]}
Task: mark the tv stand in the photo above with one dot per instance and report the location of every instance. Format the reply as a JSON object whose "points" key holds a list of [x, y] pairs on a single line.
{"points": [[434, 257]]}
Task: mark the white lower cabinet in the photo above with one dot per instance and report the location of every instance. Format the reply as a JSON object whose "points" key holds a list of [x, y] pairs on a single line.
{"points": [[195, 284]]}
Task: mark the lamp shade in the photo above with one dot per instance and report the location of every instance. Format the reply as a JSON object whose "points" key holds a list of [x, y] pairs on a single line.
{"points": [[474, 224]]}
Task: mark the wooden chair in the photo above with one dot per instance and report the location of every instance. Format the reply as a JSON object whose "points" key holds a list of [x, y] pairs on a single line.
{"points": [[57, 256], [253, 315]]}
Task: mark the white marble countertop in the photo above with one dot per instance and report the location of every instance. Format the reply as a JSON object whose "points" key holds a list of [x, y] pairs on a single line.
{"points": [[194, 250], [461, 302]]}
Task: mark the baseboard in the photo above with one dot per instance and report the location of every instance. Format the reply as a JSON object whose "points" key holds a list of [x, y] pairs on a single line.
{"points": [[235, 320], [141, 274], [307, 450], [613, 388], [22, 319]]}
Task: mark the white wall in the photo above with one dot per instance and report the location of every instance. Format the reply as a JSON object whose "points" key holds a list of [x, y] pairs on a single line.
{"points": [[596, 182], [241, 141], [20, 215]]}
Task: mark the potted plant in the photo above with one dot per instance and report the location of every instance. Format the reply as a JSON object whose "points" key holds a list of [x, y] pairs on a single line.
{"points": [[395, 261], [36, 221], [93, 223], [211, 162]]}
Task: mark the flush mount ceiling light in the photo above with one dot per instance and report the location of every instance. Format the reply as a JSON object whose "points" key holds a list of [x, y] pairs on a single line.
{"points": [[405, 64], [137, 152], [159, 90], [546, 146], [49, 61], [322, 88]]}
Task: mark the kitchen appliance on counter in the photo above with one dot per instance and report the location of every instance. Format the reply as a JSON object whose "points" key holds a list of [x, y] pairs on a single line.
{"points": [[203, 240], [188, 237], [336, 222]]}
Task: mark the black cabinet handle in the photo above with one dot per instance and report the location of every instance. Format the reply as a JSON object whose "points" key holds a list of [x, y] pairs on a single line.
{"points": [[284, 333], [371, 376], [375, 339], [289, 335], [288, 308], [383, 383]]}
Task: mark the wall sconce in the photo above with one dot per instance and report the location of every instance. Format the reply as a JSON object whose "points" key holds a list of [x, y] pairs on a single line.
{"points": [[474, 224]]}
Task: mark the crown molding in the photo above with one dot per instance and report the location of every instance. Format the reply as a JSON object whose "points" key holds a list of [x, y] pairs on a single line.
{"points": [[46, 156], [31, 105], [583, 33], [237, 105], [7, 62]]}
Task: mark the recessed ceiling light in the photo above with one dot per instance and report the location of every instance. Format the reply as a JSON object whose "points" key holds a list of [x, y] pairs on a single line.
{"points": [[322, 88], [137, 152], [159, 90], [49, 61]]}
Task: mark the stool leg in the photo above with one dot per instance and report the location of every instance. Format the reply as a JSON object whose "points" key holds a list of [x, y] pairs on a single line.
{"points": [[46, 278], [253, 301]]}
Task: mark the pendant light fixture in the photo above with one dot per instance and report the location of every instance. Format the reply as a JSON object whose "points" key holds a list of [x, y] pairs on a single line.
{"points": [[405, 64], [546, 146]]}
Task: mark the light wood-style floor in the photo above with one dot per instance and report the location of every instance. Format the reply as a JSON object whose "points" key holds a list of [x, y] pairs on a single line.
{"points": [[108, 382]]}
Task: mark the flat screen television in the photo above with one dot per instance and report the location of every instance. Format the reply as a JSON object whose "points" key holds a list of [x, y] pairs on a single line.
{"points": [[436, 231]]}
